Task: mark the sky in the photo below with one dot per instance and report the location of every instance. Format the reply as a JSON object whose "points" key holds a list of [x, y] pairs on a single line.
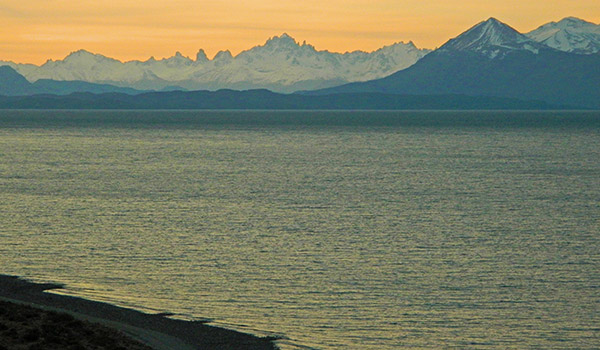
{"points": [[34, 31]]}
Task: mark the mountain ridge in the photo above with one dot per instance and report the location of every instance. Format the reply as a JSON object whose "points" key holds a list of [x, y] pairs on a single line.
{"points": [[280, 64], [508, 66]]}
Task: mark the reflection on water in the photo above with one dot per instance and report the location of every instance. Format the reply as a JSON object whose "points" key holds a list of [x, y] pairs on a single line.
{"points": [[377, 236]]}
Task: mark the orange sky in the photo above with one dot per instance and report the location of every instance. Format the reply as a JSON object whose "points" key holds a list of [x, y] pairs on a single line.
{"points": [[35, 30]]}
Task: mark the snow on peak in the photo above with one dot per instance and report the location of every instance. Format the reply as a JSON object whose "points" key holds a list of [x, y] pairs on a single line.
{"points": [[178, 60], [570, 34], [402, 46], [179, 57], [573, 22], [490, 37], [285, 37], [282, 42], [85, 57], [78, 65], [79, 53], [283, 47], [280, 64]]}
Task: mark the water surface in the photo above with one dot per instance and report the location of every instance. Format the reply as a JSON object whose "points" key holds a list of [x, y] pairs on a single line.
{"points": [[364, 230]]}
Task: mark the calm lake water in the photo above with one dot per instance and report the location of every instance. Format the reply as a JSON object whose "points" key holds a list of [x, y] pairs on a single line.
{"points": [[364, 230]]}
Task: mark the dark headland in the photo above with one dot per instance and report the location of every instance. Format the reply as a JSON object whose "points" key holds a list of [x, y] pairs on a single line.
{"points": [[30, 318]]}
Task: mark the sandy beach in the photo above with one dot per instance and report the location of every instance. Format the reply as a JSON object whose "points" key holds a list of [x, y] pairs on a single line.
{"points": [[30, 318]]}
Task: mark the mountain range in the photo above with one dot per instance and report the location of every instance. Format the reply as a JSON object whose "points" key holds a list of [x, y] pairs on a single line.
{"points": [[493, 59], [558, 64], [281, 65]]}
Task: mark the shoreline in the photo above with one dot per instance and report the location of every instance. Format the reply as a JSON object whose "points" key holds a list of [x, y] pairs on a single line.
{"points": [[155, 330]]}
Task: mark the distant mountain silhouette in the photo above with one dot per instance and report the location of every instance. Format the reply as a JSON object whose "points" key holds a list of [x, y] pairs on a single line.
{"points": [[14, 84], [263, 100]]}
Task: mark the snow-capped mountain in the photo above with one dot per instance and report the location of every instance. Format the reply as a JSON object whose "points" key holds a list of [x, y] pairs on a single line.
{"points": [[281, 64], [570, 35], [491, 38], [493, 60]]}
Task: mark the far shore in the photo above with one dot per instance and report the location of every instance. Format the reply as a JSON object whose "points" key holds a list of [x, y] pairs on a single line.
{"points": [[159, 332]]}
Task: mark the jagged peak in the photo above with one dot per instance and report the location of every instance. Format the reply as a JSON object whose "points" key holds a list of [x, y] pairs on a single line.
{"points": [[283, 40], [282, 43], [201, 56], [409, 45], [178, 59]]}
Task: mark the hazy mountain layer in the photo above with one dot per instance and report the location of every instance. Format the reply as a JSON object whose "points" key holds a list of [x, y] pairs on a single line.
{"points": [[263, 100], [14, 84]]}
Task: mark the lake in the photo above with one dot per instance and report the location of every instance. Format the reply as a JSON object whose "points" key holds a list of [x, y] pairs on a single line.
{"points": [[336, 230]]}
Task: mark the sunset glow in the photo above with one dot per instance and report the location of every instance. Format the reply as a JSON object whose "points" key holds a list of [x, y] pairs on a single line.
{"points": [[37, 30]]}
